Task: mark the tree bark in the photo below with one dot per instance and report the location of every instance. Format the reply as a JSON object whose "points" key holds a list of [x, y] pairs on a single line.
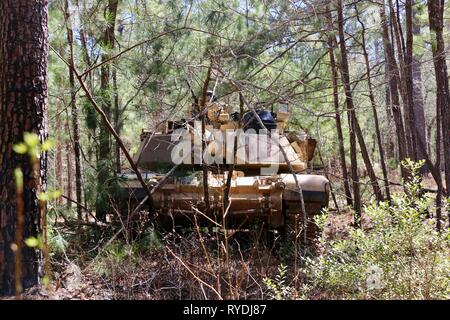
{"points": [[83, 41], [203, 115], [374, 108], [404, 77], [351, 115], [419, 113], [436, 19], [337, 117], [105, 158], [117, 122], [394, 83], [410, 120], [74, 109], [58, 157], [389, 136], [367, 161], [69, 168], [23, 108]]}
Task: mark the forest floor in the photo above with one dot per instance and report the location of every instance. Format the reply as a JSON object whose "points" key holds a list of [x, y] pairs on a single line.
{"points": [[195, 265], [175, 269]]}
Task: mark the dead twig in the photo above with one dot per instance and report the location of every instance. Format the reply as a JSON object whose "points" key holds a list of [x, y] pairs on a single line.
{"points": [[194, 275]]}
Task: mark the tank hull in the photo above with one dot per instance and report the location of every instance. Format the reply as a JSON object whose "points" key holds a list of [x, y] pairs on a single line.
{"points": [[268, 199]]}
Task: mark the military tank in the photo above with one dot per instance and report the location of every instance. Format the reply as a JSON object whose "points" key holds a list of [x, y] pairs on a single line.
{"points": [[230, 169]]}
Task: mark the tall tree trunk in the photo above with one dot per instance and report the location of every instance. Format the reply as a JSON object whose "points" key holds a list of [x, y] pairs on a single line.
{"points": [[351, 115], [353, 120], [389, 136], [430, 127], [117, 120], [83, 40], [419, 113], [408, 76], [87, 61], [105, 158], [58, 156], [203, 115], [74, 109], [337, 117], [374, 107], [23, 108], [404, 76], [393, 88], [436, 18], [367, 161], [69, 186]]}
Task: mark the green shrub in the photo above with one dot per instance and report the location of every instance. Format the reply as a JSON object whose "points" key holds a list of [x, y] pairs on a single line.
{"points": [[150, 240], [116, 257], [277, 288], [401, 256], [392, 163]]}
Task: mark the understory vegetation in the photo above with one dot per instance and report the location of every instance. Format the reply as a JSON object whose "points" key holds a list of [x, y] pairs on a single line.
{"points": [[397, 254]]}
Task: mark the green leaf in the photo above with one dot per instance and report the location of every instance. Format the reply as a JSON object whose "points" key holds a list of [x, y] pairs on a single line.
{"points": [[33, 153], [44, 196], [56, 194], [18, 177], [45, 280], [20, 148], [50, 195], [31, 139], [32, 242], [47, 145]]}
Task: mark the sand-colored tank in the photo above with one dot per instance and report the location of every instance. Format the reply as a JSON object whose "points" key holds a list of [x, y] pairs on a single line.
{"points": [[266, 164]]}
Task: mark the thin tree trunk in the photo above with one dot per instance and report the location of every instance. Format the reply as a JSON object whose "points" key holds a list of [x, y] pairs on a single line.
{"points": [[117, 121], [374, 107], [69, 174], [83, 41], [389, 136], [436, 19], [23, 108], [105, 158], [393, 88], [74, 109], [334, 76], [430, 134], [438, 161], [411, 121], [58, 156], [203, 113], [351, 115], [367, 162], [404, 78], [419, 113], [227, 190], [353, 120]]}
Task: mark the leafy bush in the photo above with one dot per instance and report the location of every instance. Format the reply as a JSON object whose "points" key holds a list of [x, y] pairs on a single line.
{"points": [[401, 256], [150, 240], [116, 257], [277, 288]]}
